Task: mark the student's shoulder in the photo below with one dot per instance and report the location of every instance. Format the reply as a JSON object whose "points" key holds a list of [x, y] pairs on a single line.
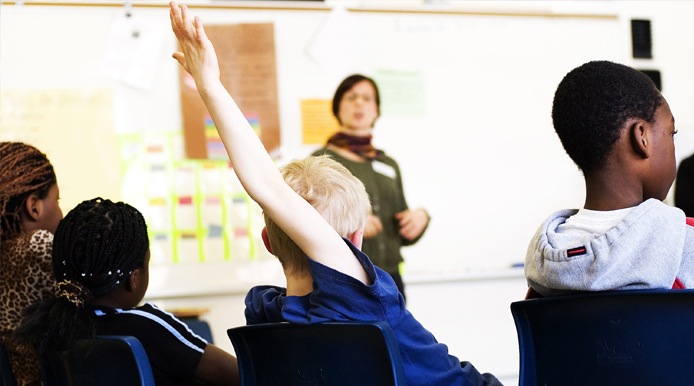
{"points": [[31, 247], [320, 270], [157, 319], [41, 241], [151, 308], [145, 314]]}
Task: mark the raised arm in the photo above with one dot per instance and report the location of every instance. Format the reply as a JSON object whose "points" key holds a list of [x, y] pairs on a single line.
{"points": [[257, 172]]}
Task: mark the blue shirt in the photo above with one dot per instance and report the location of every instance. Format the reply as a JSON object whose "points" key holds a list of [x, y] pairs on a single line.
{"points": [[339, 297]]}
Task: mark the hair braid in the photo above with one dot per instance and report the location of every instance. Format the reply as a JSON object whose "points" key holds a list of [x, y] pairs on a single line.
{"points": [[24, 170], [98, 244], [95, 248]]}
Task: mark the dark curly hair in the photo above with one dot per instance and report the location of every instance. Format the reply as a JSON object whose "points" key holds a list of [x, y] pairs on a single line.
{"points": [[593, 102]]}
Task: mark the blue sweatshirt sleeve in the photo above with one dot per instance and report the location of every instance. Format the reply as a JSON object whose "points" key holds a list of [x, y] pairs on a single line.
{"points": [[264, 304]]}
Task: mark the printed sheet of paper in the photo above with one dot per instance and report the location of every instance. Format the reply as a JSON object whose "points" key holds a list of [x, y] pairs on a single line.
{"points": [[403, 93], [134, 49], [247, 62]]}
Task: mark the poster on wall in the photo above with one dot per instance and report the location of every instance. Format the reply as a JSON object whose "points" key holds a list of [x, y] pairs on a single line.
{"points": [[246, 54], [73, 127]]}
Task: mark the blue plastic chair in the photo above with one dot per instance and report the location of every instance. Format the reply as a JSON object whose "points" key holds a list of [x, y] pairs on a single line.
{"points": [[333, 354], [607, 338], [6, 376], [199, 327], [108, 360]]}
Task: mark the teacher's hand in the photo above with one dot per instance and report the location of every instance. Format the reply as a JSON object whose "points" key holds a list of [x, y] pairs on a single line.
{"points": [[373, 227], [412, 223]]}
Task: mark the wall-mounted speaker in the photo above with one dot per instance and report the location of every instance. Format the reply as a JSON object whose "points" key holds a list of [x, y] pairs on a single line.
{"points": [[641, 43], [655, 77]]}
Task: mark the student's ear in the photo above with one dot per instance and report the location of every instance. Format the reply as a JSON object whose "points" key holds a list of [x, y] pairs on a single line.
{"points": [[639, 132], [356, 238], [133, 280], [266, 240], [33, 207]]}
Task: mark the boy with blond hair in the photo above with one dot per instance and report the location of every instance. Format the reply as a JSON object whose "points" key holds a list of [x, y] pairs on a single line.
{"points": [[341, 283], [335, 193]]}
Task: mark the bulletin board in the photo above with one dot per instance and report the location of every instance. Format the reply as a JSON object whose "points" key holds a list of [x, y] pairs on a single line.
{"points": [[466, 98]]}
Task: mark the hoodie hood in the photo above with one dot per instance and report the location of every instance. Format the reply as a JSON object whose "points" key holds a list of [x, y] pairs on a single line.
{"points": [[644, 250]]}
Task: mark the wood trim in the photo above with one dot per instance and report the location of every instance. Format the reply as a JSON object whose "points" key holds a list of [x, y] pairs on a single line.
{"points": [[318, 6]]}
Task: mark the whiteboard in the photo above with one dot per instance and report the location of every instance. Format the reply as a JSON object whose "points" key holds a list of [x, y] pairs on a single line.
{"points": [[480, 154]]}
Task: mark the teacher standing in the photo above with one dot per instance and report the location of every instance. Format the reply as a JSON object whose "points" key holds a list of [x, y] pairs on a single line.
{"points": [[356, 105]]}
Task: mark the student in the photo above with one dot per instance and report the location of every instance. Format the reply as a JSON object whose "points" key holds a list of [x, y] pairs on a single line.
{"points": [[617, 127], [101, 265], [356, 105], [684, 186], [29, 214], [340, 283]]}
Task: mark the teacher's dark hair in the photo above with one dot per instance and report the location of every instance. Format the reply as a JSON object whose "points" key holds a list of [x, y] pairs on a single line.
{"points": [[347, 85]]}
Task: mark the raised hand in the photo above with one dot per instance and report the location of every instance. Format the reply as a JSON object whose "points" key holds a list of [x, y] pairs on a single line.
{"points": [[197, 55]]}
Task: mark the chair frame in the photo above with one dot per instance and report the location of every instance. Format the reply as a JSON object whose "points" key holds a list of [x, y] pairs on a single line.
{"points": [[331, 353], [93, 362], [636, 337]]}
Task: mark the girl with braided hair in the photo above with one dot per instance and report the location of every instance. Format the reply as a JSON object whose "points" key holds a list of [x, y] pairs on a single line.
{"points": [[100, 262], [29, 214]]}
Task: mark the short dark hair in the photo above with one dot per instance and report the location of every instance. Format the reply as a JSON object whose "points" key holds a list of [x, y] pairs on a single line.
{"points": [[593, 102], [347, 85]]}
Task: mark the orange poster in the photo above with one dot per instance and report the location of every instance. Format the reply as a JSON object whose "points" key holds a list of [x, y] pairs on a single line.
{"points": [[317, 121]]}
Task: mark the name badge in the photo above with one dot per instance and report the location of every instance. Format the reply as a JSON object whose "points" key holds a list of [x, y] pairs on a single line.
{"points": [[384, 169]]}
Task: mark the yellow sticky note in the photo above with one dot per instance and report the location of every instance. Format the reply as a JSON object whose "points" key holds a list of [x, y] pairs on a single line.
{"points": [[317, 121]]}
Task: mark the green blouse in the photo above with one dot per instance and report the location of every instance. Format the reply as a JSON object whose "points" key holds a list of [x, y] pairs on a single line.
{"points": [[384, 185]]}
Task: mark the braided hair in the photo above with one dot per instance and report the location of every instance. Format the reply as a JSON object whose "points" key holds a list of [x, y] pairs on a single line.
{"points": [[95, 249], [24, 170], [98, 244]]}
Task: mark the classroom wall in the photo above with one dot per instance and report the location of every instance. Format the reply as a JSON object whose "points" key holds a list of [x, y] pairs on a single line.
{"points": [[476, 146], [479, 152]]}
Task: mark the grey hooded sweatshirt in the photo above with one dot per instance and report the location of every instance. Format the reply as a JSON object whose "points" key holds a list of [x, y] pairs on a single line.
{"points": [[649, 248]]}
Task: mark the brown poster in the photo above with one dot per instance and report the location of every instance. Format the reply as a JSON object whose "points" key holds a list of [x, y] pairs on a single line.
{"points": [[246, 54]]}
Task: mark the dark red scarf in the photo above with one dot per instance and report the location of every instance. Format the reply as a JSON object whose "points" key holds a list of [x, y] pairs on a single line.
{"points": [[357, 145]]}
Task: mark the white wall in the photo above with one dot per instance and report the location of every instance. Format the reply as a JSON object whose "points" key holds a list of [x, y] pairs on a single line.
{"points": [[481, 151]]}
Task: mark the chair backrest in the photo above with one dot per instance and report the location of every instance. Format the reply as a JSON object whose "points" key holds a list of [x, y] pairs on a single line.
{"points": [[330, 354], [199, 327], [108, 360], [6, 376], [611, 338]]}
